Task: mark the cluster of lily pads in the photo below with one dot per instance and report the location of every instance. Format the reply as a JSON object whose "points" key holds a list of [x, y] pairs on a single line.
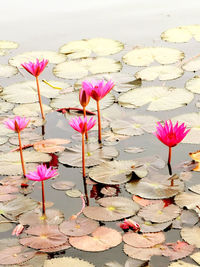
{"points": [[158, 201]]}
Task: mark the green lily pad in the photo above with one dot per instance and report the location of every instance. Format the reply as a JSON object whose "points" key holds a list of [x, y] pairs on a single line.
{"points": [[94, 155], [158, 98], [51, 56], [116, 172], [77, 69], [144, 56], [163, 73], [26, 92], [7, 71], [84, 48], [182, 34], [32, 109], [72, 100]]}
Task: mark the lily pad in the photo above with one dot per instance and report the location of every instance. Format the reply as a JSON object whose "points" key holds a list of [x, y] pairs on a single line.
{"points": [[186, 218], [154, 188], [193, 85], [195, 188], [30, 110], [163, 73], [67, 261], [193, 65], [84, 48], [143, 240], [181, 264], [78, 227], [6, 46], [73, 193], [191, 235], [113, 208], [158, 98], [159, 213], [51, 56], [187, 200], [141, 253], [144, 56], [77, 69], [5, 225], [102, 239], [43, 236], [94, 155], [72, 100], [63, 185], [26, 92], [116, 172], [182, 34], [7, 71], [33, 218], [196, 257], [28, 136], [50, 145]]}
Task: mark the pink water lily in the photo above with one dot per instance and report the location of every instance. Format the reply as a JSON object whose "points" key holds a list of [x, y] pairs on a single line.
{"points": [[170, 135], [82, 125], [84, 99], [36, 68], [42, 173], [17, 124], [97, 90]]}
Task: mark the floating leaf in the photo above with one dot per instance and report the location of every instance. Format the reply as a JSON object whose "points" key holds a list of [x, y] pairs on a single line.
{"points": [[50, 145], [77, 69], [7, 71], [154, 188], [116, 172], [94, 155], [195, 188], [30, 110], [188, 200], [150, 227], [191, 235], [35, 217], [182, 34], [15, 255], [6, 46], [28, 136], [187, 218], [192, 65], [83, 48], [63, 185], [158, 98], [73, 193], [78, 227], [163, 73], [196, 257], [19, 205], [134, 149], [57, 248], [181, 264], [178, 250], [102, 239], [15, 168], [43, 236], [26, 92], [38, 260], [5, 225], [141, 253], [72, 100], [134, 125], [67, 261], [51, 56], [159, 213], [143, 240], [5, 107], [135, 263], [113, 208], [140, 56]]}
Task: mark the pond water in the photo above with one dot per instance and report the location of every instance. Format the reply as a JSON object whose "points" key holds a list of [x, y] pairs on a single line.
{"points": [[47, 25]]}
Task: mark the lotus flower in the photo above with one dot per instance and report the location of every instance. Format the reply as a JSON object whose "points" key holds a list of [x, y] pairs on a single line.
{"points": [[129, 224], [84, 99], [170, 136], [82, 126], [42, 173], [97, 90], [36, 69], [18, 230], [18, 124]]}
